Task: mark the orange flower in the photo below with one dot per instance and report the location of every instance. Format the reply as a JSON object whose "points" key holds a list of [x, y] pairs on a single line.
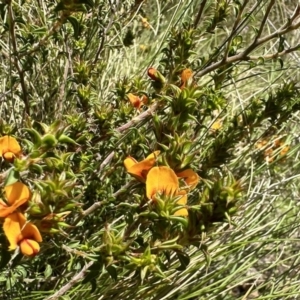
{"points": [[284, 150], [9, 148], [21, 233], [164, 180], [190, 177], [156, 75], [136, 101], [139, 170], [16, 195], [185, 76], [152, 73]]}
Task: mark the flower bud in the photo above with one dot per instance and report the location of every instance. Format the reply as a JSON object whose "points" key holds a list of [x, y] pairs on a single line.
{"points": [[49, 141], [29, 247], [156, 75]]}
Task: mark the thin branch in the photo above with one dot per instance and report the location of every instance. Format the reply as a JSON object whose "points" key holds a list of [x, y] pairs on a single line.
{"points": [[234, 28], [294, 16], [200, 12], [71, 283], [106, 161], [263, 22], [98, 204], [15, 58], [55, 27], [141, 117], [277, 54], [61, 95], [101, 46], [244, 55]]}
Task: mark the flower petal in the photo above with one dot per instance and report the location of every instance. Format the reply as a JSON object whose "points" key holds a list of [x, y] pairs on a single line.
{"points": [[182, 201], [9, 156], [5, 210], [135, 100], [3, 144], [30, 231], [9, 147], [185, 76], [153, 155], [13, 146], [190, 177], [161, 179], [12, 229], [140, 169], [17, 194], [129, 162], [29, 247]]}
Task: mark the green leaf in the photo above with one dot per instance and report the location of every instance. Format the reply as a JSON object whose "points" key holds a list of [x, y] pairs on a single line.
{"points": [[184, 260], [65, 139], [48, 271], [144, 272], [13, 176], [93, 272], [76, 26], [112, 271], [89, 3], [10, 282]]}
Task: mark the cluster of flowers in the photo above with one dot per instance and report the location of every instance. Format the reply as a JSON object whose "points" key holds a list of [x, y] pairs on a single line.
{"points": [[139, 101], [19, 232], [273, 149], [162, 181]]}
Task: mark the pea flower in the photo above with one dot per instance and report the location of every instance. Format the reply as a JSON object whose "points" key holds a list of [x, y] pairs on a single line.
{"points": [[21, 233], [190, 177], [139, 170], [156, 75], [185, 76], [16, 195], [163, 180], [136, 101], [9, 148], [217, 125]]}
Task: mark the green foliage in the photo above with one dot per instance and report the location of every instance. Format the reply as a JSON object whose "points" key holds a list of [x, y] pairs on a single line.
{"points": [[213, 99]]}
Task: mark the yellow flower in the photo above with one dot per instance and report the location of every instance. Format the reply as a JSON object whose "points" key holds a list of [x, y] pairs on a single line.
{"points": [[21, 233], [16, 195], [217, 125], [9, 148], [145, 23], [139, 170], [163, 180]]}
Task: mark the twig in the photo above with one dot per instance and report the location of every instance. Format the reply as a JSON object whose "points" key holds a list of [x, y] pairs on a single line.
{"points": [[277, 54], [98, 204], [106, 161], [234, 28], [81, 274], [71, 283], [144, 115], [294, 16], [200, 12], [15, 57], [55, 27], [101, 46], [61, 95], [263, 22], [244, 55]]}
